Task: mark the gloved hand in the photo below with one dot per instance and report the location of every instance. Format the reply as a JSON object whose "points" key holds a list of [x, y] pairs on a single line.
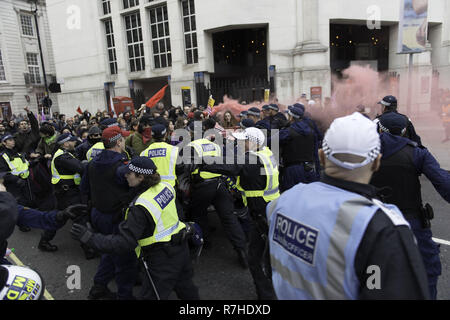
{"points": [[72, 212], [81, 233]]}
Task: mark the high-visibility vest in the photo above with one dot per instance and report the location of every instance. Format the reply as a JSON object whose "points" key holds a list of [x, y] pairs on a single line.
{"points": [[271, 191], [206, 148], [165, 157], [159, 202], [314, 233], [94, 151], [56, 177], [18, 166]]}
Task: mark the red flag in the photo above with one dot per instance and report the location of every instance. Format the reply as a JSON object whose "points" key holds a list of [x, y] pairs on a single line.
{"points": [[158, 96], [79, 110]]}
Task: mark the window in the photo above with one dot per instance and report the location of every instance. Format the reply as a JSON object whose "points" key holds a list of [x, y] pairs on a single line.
{"points": [[106, 7], [190, 34], [33, 68], [159, 25], [130, 3], [27, 25], [39, 97], [111, 46], [135, 42], [2, 69]]}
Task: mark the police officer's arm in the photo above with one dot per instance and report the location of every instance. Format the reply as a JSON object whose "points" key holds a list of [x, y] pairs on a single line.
{"points": [[388, 263], [440, 178], [85, 187], [69, 164], [249, 164], [411, 133], [38, 219], [138, 225]]}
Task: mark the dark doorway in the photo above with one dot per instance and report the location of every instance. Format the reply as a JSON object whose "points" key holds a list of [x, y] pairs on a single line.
{"points": [[240, 64], [358, 43]]}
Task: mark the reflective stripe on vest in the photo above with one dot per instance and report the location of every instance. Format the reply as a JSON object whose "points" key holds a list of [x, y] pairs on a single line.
{"points": [[313, 241], [271, 191], [206, 148], [17, 166], [165, 157], [56, 177], [159, 201], [94, 151]]}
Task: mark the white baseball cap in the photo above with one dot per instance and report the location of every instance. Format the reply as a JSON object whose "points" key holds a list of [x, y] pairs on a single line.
{"points": [[252, 134], [353, 134]]}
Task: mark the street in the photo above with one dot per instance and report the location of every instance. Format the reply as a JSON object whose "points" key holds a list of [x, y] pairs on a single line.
{"points": [[217, 273]]}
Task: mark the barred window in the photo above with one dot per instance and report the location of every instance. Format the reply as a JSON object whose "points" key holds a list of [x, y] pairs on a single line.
{"points": [[2, 69], [106, 6], [190, 34], [135, 42], [33, 68], [27, 25], [39, 97], [159, 25], [111, 46], [130, 3]]}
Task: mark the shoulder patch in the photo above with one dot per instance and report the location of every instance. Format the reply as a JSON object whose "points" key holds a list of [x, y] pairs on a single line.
{"points": [[396, 217]]}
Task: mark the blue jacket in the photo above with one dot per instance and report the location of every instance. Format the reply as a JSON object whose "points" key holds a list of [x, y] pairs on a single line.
{"points": [[423, 161]]}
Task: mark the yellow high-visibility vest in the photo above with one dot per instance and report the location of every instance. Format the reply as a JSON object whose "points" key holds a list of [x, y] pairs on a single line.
{"points": [[159, 202], [94, 151], [206, 148], [56, 177], [17, 166], [165, 158], [271, 191]]}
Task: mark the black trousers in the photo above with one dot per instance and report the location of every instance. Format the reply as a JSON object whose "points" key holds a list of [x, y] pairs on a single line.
{"points": [[216, 193], [170, 269], [258, 252]]}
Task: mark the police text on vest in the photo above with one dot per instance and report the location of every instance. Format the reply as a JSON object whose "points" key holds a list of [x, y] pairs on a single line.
{"points": [[296, 238]]}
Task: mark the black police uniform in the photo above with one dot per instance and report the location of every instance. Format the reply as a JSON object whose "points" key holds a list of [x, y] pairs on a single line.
{"points": [[249, 171]]}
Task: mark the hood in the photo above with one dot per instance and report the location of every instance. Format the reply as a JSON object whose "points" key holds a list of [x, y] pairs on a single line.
{"points": [[107, 157], [391, 144]]}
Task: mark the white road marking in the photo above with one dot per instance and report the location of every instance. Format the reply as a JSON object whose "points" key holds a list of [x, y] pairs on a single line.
{"points": [[441, 241]]}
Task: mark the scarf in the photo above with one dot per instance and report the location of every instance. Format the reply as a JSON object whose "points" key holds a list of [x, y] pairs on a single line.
{"points": [[50, 140], [147, 135]]}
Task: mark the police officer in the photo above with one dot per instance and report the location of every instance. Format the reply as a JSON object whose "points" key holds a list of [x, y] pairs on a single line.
{"points": [[446, 119], [299, 149], [94, 137], [246, 123], [66, 177], [16, 181], [151, 228], [273, 119], [254, 114], [257, 173], [163, 154], [105, 173], [402, 163], [333, 239], [208, 188], [389, 104]]}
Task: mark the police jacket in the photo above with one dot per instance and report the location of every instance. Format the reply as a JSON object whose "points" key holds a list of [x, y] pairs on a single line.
{"points": [[13, 183], [300, 143], [402, 163], [383, 244], [248, 167], [67, 164], [26, 142], [82, 149], [410, 130]]}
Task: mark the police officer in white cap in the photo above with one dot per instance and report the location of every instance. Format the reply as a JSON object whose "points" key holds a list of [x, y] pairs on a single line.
{"points": [[333, 239], [257, 172]]}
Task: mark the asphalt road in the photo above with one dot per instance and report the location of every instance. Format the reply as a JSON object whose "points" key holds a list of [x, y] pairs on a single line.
{"points": [[217, 273]]}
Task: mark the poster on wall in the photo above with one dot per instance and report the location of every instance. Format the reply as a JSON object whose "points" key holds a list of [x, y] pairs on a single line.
{"points": [[413, 26]]}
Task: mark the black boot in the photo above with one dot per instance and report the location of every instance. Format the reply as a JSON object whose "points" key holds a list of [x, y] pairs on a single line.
{"points": [[24, 229], [242, 257], [45, 245], [100, 292]]}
